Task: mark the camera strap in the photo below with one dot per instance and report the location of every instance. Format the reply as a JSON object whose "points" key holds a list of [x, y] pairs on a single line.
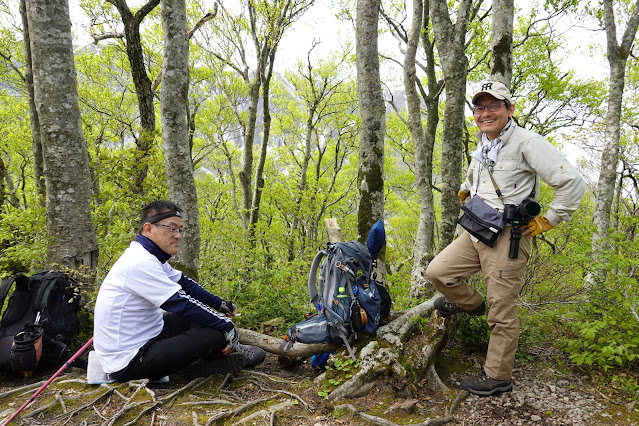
{"points": [[498, 191]]}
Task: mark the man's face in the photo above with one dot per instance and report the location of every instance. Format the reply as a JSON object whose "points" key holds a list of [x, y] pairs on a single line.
{"points": [[165, 233], [492, 122]]}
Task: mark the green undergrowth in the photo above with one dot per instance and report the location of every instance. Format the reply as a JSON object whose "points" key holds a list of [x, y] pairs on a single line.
{"points": [[338, 371]]}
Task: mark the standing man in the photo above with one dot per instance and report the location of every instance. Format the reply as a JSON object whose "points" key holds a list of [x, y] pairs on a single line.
{"points": [[516, 158], [151, 320]]}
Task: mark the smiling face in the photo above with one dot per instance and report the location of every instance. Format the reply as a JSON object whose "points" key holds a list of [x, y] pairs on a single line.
{"points": [[162, 235], [489, 122]]}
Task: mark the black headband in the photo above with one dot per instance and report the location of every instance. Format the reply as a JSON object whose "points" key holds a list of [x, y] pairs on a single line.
{"points": [[158, 217]]}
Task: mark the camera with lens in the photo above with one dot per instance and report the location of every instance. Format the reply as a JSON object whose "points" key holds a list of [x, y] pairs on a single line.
{"points": [[518, 215]]}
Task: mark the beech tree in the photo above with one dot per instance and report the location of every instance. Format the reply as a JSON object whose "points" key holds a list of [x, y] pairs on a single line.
{"points": [[423, 135], [70, 226], [267, 22], [450, 39], [325, 95], [370, 180], [174, 106], [38, 161], [501, 58], [617, 55], [141, 80]]}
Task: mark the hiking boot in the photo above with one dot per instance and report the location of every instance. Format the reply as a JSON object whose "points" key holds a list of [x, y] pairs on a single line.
{"points": [[446, 306], [484, 385], [229, 364], [254, 355]]}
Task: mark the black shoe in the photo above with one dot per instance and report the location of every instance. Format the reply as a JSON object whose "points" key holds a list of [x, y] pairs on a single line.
{"points": [[446, 306], [229, 364], [484, 385]]}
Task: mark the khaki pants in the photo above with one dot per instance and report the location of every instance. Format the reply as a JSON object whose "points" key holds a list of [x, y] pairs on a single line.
{"points": [[503, 276]]}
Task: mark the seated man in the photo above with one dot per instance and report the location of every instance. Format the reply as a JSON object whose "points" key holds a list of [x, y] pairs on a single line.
{"points": [[151, 320]]}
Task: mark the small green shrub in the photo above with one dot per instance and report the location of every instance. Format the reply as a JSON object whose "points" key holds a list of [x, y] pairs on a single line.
{"points": [[604, 336], [267, 294]]}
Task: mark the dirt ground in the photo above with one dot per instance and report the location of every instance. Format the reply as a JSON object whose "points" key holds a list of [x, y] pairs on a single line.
{"points": [[545, 392]]}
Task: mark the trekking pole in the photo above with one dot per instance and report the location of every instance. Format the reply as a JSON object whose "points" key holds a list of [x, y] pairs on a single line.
{"points": [[57, 373]]}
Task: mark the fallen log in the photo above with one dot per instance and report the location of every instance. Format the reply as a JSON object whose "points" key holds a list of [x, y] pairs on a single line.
{"points": [[272, 344]]}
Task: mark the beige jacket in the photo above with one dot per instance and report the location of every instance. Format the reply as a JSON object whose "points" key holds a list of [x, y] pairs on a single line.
{"points": [[523, 158]]}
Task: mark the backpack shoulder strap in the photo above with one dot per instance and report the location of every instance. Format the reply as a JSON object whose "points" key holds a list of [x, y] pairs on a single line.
{"points": [[49, 282], [312, 278], [6, 286]]}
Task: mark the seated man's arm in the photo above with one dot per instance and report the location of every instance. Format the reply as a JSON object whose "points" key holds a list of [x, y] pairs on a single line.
{"points": [[189, 307], [200, 293]]}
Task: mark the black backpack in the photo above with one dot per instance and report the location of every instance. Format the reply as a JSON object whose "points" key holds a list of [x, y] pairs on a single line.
{"points": [[39, 322]]}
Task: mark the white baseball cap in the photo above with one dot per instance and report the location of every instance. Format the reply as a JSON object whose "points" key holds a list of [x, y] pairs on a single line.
{"points": [[494, 88]]}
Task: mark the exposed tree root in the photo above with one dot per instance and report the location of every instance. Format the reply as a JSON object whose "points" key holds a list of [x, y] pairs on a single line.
{"points": [[380, 421], [291, 394], [240, 410], [381, 356], [270, 412], [23, 389], [164, 400]]}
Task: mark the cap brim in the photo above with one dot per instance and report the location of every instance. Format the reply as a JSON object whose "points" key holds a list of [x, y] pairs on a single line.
{"points": [[488, 92]]}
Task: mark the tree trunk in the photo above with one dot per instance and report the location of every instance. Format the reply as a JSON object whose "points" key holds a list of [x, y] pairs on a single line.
{"points": [[174, 106], [3, 170], [36, 138], [424, 144], [301, 184], [259, 171], [73, 241], [617, 57], [450, 40], [370, 178], [142, 84], [245, 175], [501, 59]]}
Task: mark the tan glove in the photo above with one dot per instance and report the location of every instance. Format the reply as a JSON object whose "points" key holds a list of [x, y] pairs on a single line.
{"points": [[463, 195], [538, 225]]}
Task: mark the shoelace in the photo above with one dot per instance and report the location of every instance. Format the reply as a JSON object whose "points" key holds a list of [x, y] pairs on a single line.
{"points": [[450, 304]]}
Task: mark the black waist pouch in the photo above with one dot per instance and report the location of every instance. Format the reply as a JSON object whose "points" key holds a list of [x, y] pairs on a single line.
{"points": [[482, 221]]}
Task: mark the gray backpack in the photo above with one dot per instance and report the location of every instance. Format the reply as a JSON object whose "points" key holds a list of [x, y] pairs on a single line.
{"points": [[347, 299]]}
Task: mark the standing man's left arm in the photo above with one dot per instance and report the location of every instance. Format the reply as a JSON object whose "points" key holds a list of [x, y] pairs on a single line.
{"points": [[557, 172]]}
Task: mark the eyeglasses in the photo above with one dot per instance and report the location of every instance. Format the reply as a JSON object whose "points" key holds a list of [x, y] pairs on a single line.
{"points": [[491, 107], [173, 229]]}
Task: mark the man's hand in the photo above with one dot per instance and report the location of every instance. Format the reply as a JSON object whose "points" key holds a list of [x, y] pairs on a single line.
{"points": [[463, 195], [536, 226], [228, 308]]}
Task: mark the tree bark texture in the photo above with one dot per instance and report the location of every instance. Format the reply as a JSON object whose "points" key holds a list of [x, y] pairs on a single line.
{"points": [[501, 59], [423, 141], [450, 40], [617, 57], [70, 227], [174, 105], [370, 178], [36, 138]]}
